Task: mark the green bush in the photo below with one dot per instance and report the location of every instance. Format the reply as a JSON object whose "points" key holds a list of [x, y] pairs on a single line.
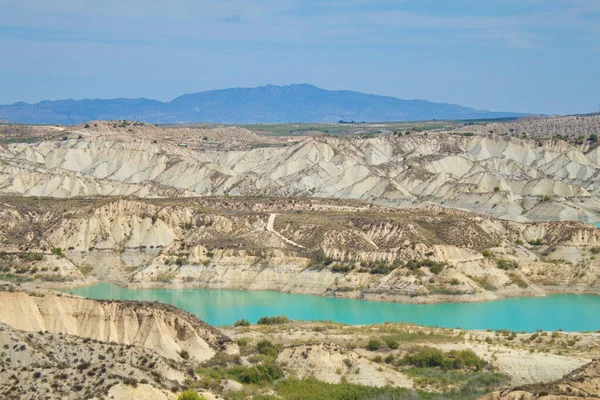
{"points": [[57, 251], [378, 267], [428, 357], [267, 348], [189, 395], [241, 322], [31, 256], [507, 264], [496, 189], [341, 268], [312, 389], [433, 266], [373, 345], [391, 343], [257, 374], [318, 259], [184, 354], [273, 320]]}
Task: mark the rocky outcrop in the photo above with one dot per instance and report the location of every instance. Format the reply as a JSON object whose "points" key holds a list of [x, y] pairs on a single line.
{"points": [[332, 363], [166, 330], [583, 383]]}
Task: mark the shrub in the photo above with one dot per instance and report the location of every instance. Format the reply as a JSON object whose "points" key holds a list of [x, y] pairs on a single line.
{"points": [[373, 345], [507, 264], [184, 354], [241, 322], [434, 266], [426, 356], [536, 242], [319, 259], [391, 343], [57, 251], [257, 374], [378, 267], [341, 268], [496, 189], [486, 253], [273, 320], [267, 348], [189, 395], [312, 389]]}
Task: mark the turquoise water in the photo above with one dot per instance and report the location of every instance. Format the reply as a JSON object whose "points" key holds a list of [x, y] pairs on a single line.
{"points": [[223, 307], [597, 224]]}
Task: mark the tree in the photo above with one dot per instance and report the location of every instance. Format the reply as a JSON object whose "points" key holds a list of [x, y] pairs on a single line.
{"points": [[496, 189], [593, 138]]}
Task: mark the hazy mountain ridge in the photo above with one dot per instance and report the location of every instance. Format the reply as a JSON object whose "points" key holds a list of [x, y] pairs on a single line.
{"points": [[264, 104]]}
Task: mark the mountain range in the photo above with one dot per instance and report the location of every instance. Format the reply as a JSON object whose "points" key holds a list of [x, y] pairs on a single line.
{"points": [[264, 104]]}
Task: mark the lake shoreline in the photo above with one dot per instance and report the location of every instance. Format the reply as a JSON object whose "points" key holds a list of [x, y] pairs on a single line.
{"points": [[480, 297], [530, 314]]}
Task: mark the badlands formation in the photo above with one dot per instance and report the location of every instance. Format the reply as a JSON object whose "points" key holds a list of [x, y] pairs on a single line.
{"points": [[322, 247], [505, 176], [478, 212]]}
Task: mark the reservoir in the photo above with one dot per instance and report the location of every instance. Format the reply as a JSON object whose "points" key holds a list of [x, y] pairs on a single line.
{"points": [[223, 307]]}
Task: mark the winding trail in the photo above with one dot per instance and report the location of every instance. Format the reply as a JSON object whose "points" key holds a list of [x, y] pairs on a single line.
{"points": [[270, 228]]}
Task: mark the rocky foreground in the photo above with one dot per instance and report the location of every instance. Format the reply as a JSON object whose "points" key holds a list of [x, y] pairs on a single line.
{"points": [[153, 352]]}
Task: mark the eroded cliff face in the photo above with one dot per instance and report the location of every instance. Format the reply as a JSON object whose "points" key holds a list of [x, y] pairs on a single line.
{"points": [[323, 247], [503, 176], [163, 329]]}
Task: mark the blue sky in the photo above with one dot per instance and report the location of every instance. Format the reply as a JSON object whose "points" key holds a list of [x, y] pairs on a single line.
{"points": [[506, 55]]}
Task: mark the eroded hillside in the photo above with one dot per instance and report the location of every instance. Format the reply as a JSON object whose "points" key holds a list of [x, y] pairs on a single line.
{"points": [[48, 351], [504, 176], [323, 247]]}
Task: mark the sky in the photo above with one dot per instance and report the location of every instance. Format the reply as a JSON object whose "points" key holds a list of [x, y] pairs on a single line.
{"points": [[538, 56]]}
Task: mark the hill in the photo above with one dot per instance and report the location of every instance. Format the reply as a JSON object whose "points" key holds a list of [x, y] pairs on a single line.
{"points": [[264, 104]]}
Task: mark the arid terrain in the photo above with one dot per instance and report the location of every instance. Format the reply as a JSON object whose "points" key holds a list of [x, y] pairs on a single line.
{"points": [[58, 347], [506, 176], [322, 247], [419, 213]]}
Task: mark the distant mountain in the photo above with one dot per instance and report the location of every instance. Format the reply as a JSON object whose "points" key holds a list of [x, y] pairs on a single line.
{"points": [[264, 104]]}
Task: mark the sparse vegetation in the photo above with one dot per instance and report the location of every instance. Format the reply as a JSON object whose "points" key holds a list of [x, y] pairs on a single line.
{"points": [[241, 322], [273, 320], [425, 356], [190, 395]]}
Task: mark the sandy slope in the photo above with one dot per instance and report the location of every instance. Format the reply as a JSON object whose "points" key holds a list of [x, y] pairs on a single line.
{"points": [[502, 176]]}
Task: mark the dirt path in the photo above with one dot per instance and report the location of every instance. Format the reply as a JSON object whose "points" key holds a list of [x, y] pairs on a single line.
{"points": [[270, 228]]}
